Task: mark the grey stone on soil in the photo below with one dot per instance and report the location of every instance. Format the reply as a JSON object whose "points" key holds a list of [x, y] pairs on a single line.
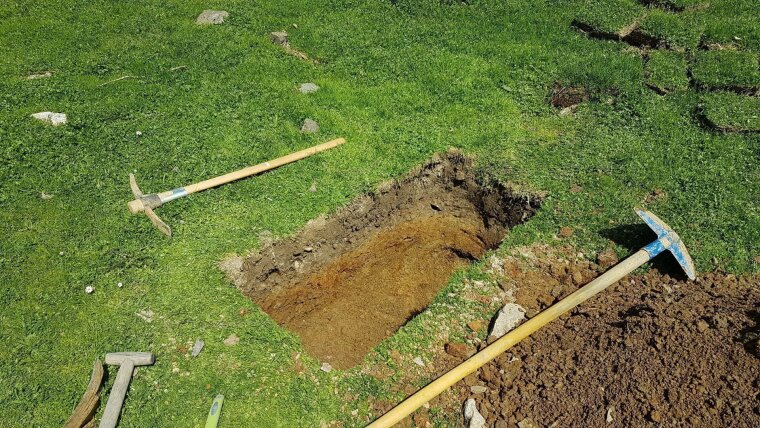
{"points": [[50, 117], [478, 389], [211, 17], [326, 367], [197, 347], [279, 37], [473, 418], [508, 318], [308, 88], [309, 126]]}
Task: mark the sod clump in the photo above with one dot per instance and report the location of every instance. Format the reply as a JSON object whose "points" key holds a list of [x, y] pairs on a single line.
{"points": [[672, 5], [726, 69], [671, 30], [607, 19], [730, 112], [666, 71]]}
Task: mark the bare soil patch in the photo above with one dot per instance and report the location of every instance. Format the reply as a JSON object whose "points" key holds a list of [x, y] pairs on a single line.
{"points": [[651, 350], [346, 282], [568, 96]]}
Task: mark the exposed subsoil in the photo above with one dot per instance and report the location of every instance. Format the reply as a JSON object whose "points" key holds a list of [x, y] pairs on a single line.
{"points": [[650, 351], [346, 282], [567, 96]]}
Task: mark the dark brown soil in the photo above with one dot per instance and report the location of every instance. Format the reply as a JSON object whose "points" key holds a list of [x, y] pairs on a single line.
{"points": [[649, 351], [346, 282], [568, 96]]}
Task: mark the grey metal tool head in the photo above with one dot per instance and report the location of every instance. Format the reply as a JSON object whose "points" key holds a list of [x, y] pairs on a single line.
{"points": [[146, 203], [667, 239], [137, 358]]}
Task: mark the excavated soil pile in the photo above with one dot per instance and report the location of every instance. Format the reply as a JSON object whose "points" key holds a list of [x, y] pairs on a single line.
{"points": [[650, 351], [346, 282]]}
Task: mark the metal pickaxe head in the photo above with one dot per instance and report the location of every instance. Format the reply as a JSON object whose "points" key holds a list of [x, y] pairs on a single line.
{"points": [[667, 239], [146, 203]]}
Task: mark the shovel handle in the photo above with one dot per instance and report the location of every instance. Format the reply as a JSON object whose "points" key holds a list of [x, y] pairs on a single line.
{"points": [[510, 339]]}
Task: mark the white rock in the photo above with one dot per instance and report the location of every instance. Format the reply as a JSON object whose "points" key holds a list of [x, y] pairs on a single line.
{"points": [[279, 38], [50, 117], [89, 289], [211, 17], [197, 347], [309, 126], [610, 414], [508, 318], [473, 418], [326, 367], [418, 361], [308, 88], [120, 285], [42, 75], [138, 133]]}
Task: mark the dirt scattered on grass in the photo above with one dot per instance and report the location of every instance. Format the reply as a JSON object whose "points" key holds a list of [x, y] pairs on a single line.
{"points": [[568, 96], [651, 350], [346, 282]]}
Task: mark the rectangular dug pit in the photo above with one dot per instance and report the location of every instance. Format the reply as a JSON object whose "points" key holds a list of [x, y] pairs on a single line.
{"points": [[346, 282]]}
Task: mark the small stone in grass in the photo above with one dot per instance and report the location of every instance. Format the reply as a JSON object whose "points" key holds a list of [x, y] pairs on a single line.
{"points": [[232, 340], [279, 37], [313, 187], [138, 133], [565, 232], [89, 289], [50, 117], [308, 88], [508, 318], [211, 17], [326, 367], [473, 418], [197, 347], [46, 196], [418, 361], [119, 284], [42, 75], [309, 126]]}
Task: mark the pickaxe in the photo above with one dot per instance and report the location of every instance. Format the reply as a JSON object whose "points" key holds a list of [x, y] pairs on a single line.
{"points": [[667, 239], [146, 203]]}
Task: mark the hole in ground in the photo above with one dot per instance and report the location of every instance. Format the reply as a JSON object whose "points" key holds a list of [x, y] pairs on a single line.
{"points": [[346, 282]]}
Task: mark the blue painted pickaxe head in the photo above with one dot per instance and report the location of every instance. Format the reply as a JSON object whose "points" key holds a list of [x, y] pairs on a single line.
{"points": [[667, 239]]}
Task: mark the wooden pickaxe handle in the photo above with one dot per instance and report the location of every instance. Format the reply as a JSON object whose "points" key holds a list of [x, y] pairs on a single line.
{"points": [[146, 203]]}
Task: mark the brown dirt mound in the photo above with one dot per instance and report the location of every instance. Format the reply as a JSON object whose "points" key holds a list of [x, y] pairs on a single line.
{"points": [[651, 350], [345, 283]]}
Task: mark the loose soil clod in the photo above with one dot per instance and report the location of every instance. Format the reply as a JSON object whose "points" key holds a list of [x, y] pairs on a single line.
{"points": [[345, 283], [651, 349]]}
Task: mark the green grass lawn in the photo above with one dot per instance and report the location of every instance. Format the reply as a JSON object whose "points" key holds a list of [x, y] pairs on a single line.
{"points": [[400, 83]]}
